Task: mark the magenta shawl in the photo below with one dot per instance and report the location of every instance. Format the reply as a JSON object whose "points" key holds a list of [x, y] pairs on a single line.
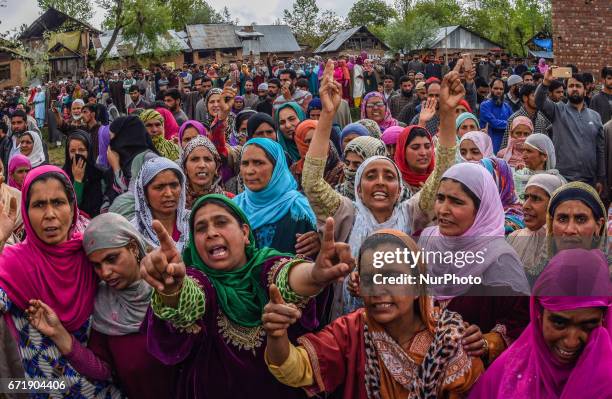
{"points": [[171, 128], [191, 123], [528, 369], [480, 140], [59, 275], [388, 120], [17, 161]]}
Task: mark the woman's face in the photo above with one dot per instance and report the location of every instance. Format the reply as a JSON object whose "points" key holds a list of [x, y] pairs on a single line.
{"points": [[574, 225], [255, 168], [155, 127], [26, 144], [534, 207], [20, 173], [219, 239], [49, 211], [418, 154], [288, 121], [375, 109], [265, 131], [243, 127], [567, 332], [460, 109], [391, 150], [520, 132], [214, 104], [379, 187], [117, 267], [308, 136], [163, 193], [534, 159], [77, 147], [238, 104], [454, 209], [348, 138], [188, 135], [352, 161], [469, 151], [468, 125], [200, 167]]}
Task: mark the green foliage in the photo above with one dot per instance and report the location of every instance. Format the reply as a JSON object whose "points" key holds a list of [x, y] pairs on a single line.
{"points": [[413, 32], [38, 66], [328, 23], [370, 13], [81, 10], [302, 17], [191, 12]]}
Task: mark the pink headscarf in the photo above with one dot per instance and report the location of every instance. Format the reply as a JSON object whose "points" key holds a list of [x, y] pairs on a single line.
{"points": [[59, 275], [542, 66], [513, 153], [390, 135], [171, 128], [388, 120], [574, 279], [480, 140], [192, 123], [17, 161]]}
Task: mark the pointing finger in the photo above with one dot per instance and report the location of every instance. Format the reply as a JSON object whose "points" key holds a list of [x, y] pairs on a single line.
{"points": [[328, 234], [165, 241], [275, 295]]}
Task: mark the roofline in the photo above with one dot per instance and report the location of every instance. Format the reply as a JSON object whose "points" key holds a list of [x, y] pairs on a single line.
{"points": [[37, 20], [316, 51], [472, 32]]}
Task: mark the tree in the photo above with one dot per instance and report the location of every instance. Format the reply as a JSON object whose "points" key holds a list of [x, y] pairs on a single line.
{"points": [[412, 33], [81, 10], [191, 12], [301, 19], [370, 13], [329, 22]]}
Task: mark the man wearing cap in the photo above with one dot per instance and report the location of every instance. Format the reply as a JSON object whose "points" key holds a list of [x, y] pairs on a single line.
{"points": [[513, 99]]}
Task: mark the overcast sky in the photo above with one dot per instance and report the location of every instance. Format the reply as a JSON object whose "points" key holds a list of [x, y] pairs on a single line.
{"points": [[19, 12]]}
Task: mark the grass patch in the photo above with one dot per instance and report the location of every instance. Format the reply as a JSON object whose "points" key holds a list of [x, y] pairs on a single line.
{"points": [[56, 154]]}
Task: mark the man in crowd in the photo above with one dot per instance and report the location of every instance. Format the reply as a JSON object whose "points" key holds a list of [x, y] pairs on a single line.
{"points": [[388, 87], [395, 68], [494, 113], [10, 141], [527, 78], [433, 93], [513, 99], [250, 98], [289, 91], [577, 132], [602, 102], [416, 64], [403, 98], [266, 105], [556, 91], [172, 99], [529, 109], [433, 68], [193, 102], [101, 110], [137, 100], [91, 126]]}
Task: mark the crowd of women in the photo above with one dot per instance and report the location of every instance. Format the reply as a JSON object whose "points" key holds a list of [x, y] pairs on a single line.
{"points": [[238, 259]]}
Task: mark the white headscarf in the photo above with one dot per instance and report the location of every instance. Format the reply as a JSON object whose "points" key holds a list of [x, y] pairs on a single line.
{"points": [[365, 223], [543, 144], [37, 156], [546, 181]]}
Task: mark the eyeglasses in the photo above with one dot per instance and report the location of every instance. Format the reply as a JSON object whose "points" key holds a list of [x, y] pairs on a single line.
{"points": [[377, 105]]}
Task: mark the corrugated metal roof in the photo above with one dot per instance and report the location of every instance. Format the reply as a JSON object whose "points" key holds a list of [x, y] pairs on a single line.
{"points": [[172, 40], [276, 39], [459, 37], [542, 54], [49, 21], [212, 36], [335, 41]]}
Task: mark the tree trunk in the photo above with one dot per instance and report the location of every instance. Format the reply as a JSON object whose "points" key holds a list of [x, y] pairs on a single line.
{"points": [[111, 43]]}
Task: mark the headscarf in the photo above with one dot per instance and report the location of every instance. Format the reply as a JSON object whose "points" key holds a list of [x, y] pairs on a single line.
{"points": [[37, 156], [191, 123], [280, 195], [353, 128], [103, 143], [411, 177], [239, 292], [574, 279], [300, 136], [388, 120], [151, 114], [513, 153], [143, 220], [131, 138], [215, 188], [117, 312], [365, 147], [391, 135], [485, 235], [542, 66], [480, 140], [502, 174], [59, 275], [256, 120], [210, 118], [315, 103], [463, 102], [236, 137], [241, 98], [543, 144], [124, 205], [465, 116], [91, 201], [546, 181], [17, 161], [365, 222], [372, 127], [166, 148], [288, 144]]}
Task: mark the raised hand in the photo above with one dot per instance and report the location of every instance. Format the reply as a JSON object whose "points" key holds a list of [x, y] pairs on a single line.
{"points": [[7, 221], [78, 169], [227, 101], [285, 91], [162, 268], [277, 315], [548, 75], [330, 91], [307, 244], [334, 261], [353, 284], [451, 90], [428, 110], [44, 319]]}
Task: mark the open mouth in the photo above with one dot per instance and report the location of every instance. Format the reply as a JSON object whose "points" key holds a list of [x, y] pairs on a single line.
{"points": [[445, 222], [565, 355], [218, 252], [169, 204], [380, 195], [51, 230], [381, 306]]}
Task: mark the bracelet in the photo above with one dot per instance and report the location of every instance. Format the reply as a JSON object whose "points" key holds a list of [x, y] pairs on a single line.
{"points": [[176, 293], [485, 347]]}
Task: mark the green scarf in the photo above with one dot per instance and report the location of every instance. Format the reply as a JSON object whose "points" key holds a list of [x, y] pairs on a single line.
{"points": [[288, 145], [239, 292]]}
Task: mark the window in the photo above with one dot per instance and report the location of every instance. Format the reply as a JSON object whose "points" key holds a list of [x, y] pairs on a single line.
{"points": [[206, 54], [5, 72]]}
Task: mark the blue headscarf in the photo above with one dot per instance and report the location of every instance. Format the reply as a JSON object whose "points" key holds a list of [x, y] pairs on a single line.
{"points": [[353, 128], [463, 117], [287, 144], [280, 195]]}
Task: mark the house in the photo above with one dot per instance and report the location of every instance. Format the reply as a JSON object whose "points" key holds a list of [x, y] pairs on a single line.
{"points": [[454, 39], [67, 42], [222, 43], [352, 42], [540, 46], [13, 64], [171, 49]]}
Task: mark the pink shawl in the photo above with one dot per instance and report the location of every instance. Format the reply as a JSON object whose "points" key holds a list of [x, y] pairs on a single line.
{"points": [[528, 369], [388, 120], [17, 161], [59, 275], [171, 128], [480, 140]]}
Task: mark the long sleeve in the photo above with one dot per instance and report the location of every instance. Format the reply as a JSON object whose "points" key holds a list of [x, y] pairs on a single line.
{"points": [[471, 96], [87, 363], [487, 116], [601, 155], [296, 371], [543, 103], [217, 136], [445, 158], [191, 306], [79, 187], [323, 199]]}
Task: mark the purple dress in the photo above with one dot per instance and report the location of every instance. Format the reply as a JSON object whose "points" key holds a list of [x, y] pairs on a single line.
{"points": [[223, 360]]}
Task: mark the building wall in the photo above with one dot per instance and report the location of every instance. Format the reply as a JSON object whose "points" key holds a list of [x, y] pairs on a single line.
{"points": [[17, 74], [582, 33], [127, 63], [217, 56]]}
